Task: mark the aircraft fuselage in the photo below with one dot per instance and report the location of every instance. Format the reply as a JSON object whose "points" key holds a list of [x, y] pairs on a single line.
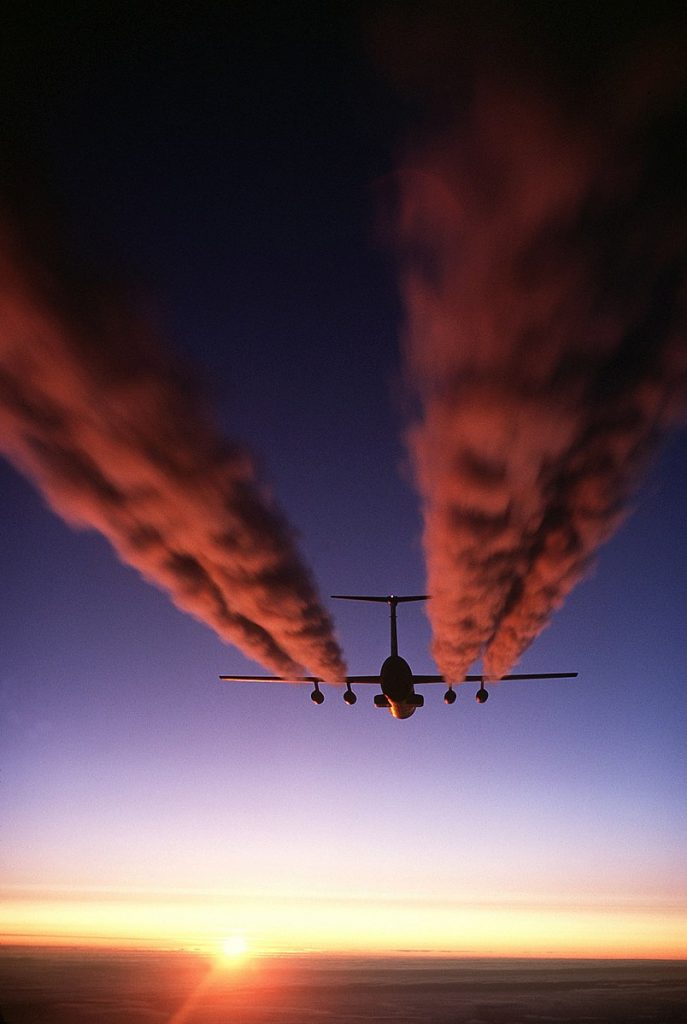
{"points": [[396, 680]]}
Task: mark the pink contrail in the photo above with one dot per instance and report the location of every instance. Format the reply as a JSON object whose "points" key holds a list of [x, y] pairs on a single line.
{"points": [[116, 439], [543, 253]]}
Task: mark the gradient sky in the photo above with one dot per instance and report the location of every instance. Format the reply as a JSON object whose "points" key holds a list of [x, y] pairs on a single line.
{"points": [[233, 170]]}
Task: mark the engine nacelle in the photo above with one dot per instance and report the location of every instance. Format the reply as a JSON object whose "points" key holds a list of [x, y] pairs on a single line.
{"points": [[317, 697], [450, 696], [349, 697], [482, 696]]}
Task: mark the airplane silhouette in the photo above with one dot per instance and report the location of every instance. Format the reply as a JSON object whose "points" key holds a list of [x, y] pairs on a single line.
{"points": [[395, 677]]}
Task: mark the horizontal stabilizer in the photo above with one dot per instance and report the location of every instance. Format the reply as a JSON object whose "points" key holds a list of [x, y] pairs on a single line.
{"points": [[389, 599]]}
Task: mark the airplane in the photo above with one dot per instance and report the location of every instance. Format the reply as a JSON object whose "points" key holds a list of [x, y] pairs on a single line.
{"points": [[395, 677]]}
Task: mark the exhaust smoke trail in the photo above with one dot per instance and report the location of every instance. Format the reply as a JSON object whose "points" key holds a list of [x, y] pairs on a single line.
{"points": [[117, 440], [543, 248]]}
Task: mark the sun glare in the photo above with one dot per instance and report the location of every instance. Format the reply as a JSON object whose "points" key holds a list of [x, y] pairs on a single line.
{"points": [[234, 948]]}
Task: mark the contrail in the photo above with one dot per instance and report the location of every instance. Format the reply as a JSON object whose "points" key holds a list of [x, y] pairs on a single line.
{"points": [[117, 440], [543, 248]]}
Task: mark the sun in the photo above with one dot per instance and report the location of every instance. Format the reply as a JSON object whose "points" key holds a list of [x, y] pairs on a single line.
{"points": [[234, 948]]}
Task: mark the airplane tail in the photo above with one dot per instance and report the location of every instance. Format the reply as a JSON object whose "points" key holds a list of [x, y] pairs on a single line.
{"points": [[389, 599]]}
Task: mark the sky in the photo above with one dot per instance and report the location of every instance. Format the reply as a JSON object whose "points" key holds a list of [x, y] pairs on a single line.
{"points": [[251, 194]]}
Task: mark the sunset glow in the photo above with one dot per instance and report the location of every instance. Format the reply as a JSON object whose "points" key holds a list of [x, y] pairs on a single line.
{"points": [[234, 948], [338, 925]]}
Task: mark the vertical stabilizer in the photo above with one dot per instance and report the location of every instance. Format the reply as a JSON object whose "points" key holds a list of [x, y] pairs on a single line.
{"points": [[392, 600]]}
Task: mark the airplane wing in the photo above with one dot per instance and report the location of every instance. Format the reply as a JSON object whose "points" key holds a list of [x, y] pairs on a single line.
{"points": [[485, 679], [298, 679], [272, 679], [375, 680]]}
